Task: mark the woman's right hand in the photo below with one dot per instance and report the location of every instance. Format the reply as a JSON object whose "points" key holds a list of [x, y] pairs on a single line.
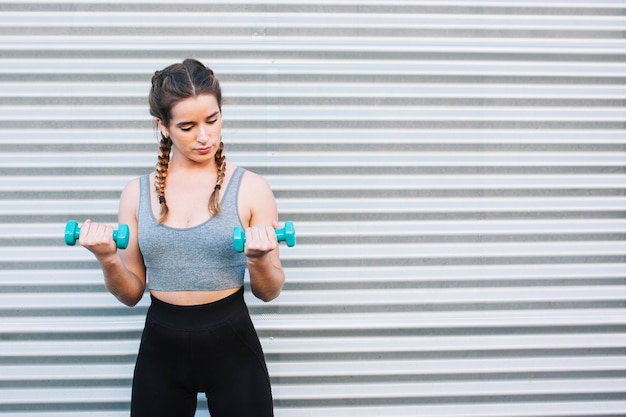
{"points": [[98, 239]]}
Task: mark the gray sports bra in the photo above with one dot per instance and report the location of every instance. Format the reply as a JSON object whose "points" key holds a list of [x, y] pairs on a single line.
{"points": [[198, 258]]}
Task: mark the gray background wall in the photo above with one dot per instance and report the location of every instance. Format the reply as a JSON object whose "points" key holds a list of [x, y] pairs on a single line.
{"points": [[455, 171]]}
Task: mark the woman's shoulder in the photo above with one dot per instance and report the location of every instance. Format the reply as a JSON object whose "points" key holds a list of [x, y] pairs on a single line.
{"points": [[252, 181], [132, 189], [134, 184], [256, 194]]}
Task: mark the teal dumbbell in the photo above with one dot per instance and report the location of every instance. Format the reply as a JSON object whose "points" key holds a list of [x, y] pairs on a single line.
{"points": [[287, 234], [120, 236]]}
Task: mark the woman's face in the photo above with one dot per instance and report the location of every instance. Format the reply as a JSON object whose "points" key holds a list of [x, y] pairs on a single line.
{"points": [[195, 128]]}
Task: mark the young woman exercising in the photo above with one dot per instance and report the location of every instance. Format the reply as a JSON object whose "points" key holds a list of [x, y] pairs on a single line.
{"points": [[198, 336]]}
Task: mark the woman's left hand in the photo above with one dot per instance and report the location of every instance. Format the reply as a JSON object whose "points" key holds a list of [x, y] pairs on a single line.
{"points": [[261, 240]]}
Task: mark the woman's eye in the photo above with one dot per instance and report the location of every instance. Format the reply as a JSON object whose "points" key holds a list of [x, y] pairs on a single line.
{"points": [[185, 129], [212, 121]]}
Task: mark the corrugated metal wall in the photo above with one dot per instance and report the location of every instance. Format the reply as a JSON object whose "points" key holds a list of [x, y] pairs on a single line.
{"points": [[455, 171]]}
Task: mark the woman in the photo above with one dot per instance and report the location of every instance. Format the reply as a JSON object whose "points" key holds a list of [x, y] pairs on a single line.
{"points": [[198, 336]]}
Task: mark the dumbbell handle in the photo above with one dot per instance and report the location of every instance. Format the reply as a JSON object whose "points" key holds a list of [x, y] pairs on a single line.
{"points": [[287, 234], [120, 236]]}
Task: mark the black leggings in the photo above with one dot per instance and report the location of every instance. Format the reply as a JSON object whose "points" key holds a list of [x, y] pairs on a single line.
{"points": [[211, 348]]}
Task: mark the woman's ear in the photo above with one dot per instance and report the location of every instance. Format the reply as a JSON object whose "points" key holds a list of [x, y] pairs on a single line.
{"points": [[164, 132]]}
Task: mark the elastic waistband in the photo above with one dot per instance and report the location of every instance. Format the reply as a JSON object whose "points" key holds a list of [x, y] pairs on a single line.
{"points": [[196, 316]]}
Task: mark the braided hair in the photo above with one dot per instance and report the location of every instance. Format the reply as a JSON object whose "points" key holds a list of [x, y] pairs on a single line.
{"points": [[169, 86]]}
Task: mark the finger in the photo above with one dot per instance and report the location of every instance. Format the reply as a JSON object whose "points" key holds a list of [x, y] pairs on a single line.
{"points": [[95, 233], [270, 240], [84, 231], [261, 238], [265, 233], [271, 233], [105, 233]]}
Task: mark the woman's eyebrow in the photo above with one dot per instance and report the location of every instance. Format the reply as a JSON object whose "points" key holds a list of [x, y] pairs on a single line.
{"points": [[210, 116]]}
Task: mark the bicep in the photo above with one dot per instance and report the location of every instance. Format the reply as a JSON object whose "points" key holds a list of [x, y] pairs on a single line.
{"points": [[127, 214], [261, 206], [261, 201]]}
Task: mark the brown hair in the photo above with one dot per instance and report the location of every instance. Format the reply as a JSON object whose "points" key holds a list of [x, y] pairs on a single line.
{"points": [[169, 86]]}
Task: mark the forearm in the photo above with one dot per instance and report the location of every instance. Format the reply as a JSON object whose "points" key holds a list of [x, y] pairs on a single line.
{"points": [[121, 282], [266, 278]]}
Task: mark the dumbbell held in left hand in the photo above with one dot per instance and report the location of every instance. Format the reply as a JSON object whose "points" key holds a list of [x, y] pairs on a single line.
{"points": [[287, 234], [120, 236]]}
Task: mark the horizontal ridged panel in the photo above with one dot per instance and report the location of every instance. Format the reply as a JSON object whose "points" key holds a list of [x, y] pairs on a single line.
{"points": [[454, 169]]}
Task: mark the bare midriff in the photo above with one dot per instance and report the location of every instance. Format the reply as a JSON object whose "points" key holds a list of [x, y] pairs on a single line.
{"points": [[190, 298]]}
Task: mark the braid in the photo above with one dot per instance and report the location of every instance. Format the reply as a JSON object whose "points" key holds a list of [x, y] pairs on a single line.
{"points": [[220, 160], [161, 174]]}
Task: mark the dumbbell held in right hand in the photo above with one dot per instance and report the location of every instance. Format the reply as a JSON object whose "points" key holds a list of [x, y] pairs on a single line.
{"points": [[120, 236]]}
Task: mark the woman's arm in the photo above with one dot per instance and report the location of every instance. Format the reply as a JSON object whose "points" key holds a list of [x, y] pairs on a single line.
{"points": [[266, 272], [124, 270]]}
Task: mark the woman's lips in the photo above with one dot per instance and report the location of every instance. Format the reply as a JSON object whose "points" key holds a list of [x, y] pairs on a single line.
{"points": [[204, 151]]}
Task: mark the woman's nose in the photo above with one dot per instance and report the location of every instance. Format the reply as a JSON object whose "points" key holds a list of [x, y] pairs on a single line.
{"points": [[203, 136]]}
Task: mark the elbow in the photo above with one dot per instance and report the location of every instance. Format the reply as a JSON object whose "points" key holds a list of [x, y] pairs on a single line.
{"points": [[132, 299], [129, 299], [130, 302], [267, 294], [267, 297]]}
